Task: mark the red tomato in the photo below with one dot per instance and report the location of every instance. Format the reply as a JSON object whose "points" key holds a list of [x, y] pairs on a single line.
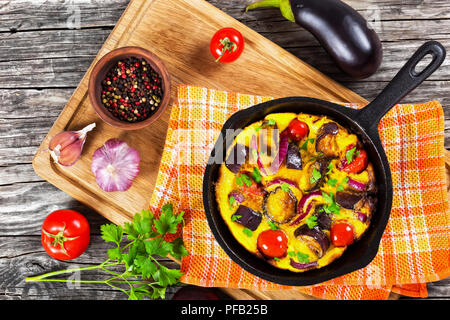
{"points": [[272, 243], [298, 130], [342, 234], [65, 234], [227, 45], [358, 164]]}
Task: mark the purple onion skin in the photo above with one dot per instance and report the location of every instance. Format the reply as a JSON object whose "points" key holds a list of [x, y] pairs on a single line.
{"points": [[282, 151], [302, 266], [362, 217], [281, 181], [356, 185], [239, 197]]}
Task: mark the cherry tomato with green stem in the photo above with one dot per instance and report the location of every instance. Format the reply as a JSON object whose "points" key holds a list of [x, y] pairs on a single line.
{"points": [[227, 45], [65, 234]]}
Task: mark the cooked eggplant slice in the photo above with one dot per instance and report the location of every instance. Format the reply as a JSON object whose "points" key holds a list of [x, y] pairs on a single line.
{"points": [[237, 157], [314, 238], [247, 217], [324, 220], [371, 185], [326, 140], [293, 157], [280, 206], [348, 200], [316, 173]]}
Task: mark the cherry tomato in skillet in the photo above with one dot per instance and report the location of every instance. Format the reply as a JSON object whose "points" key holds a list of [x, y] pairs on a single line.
{"points": [[227, 45], [298, 130], [272, 243], [358, 164], [65, 234], [342, 234]]}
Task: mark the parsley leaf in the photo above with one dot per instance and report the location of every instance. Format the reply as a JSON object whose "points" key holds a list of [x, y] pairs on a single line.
{"points": [[272, 225], [311, 221], [305, 145], [332, 182], [350, 154], [231, 201], [256, 175], [330, 168], [285, 187], [315, 176], [246, 179], [247, 232]]}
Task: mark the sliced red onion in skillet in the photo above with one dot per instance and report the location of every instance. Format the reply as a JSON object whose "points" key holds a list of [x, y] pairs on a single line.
{"points": [[362, 217], [258, 159], [302, 266], [305, 205], [307, 198], [281, 181], [282, 152], [302, 214], [356, 185], [238, 196]]}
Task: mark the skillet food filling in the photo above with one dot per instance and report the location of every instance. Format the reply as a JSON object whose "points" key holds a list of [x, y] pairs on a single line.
{"points": [[296, 190]]}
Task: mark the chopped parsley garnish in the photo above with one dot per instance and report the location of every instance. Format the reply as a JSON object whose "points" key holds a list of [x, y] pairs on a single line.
{"points": [[332, 182], [315, 176], [243, 178], [272, 225], [235, 217], [305, 145], [247, 232], [332, 206], [351, 154], [330, 168], [231, 201], [301, 257], [311, 222], [269, 122], [256, 175], [285, 187]]}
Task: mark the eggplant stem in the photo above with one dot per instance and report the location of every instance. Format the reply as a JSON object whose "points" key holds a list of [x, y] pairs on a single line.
{"points": [[263, 4]]}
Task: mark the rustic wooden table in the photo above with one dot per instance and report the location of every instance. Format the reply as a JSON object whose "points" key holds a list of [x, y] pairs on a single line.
{"points": [[46, 47]]}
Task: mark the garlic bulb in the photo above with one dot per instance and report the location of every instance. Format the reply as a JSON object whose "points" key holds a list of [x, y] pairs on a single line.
{"points": [[115, 165], [66, 147]]}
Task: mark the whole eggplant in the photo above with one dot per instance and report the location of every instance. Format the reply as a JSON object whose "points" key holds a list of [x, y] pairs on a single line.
{"points": [[341, 30]]}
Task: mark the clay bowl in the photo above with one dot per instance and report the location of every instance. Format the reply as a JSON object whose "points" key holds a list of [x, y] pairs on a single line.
{"points": [[102, 67]]}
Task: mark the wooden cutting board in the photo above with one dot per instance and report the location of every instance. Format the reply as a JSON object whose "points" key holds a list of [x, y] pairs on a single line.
{"points": [[178, 31]]}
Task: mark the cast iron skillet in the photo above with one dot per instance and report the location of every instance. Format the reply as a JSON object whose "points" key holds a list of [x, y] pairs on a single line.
{"points": [[364, 123]]}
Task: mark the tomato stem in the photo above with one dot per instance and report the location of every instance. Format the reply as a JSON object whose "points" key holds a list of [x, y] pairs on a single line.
{"points": [[59, 239], [227, 45]]}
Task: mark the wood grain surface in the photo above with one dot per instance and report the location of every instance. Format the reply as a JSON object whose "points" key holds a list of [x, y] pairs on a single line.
{"points": [[44, 56]]}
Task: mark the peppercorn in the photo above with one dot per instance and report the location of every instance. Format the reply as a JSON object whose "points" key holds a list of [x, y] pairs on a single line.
{"points": [[135, 90]]}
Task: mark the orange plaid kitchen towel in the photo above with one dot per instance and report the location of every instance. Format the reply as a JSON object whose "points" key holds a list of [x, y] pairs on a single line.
{"points": [[415, 246]]}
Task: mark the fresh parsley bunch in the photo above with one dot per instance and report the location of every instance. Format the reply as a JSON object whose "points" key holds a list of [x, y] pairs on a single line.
{"points": [[137, 254]]}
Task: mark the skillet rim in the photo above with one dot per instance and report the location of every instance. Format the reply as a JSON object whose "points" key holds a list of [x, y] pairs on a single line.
{"points": [[370, 135]]}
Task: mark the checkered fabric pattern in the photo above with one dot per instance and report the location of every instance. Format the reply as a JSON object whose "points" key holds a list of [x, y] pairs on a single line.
{"points": [[415, 246]]}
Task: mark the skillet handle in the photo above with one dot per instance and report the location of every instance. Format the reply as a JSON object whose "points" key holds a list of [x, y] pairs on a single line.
{"points": [[406, 80]]}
